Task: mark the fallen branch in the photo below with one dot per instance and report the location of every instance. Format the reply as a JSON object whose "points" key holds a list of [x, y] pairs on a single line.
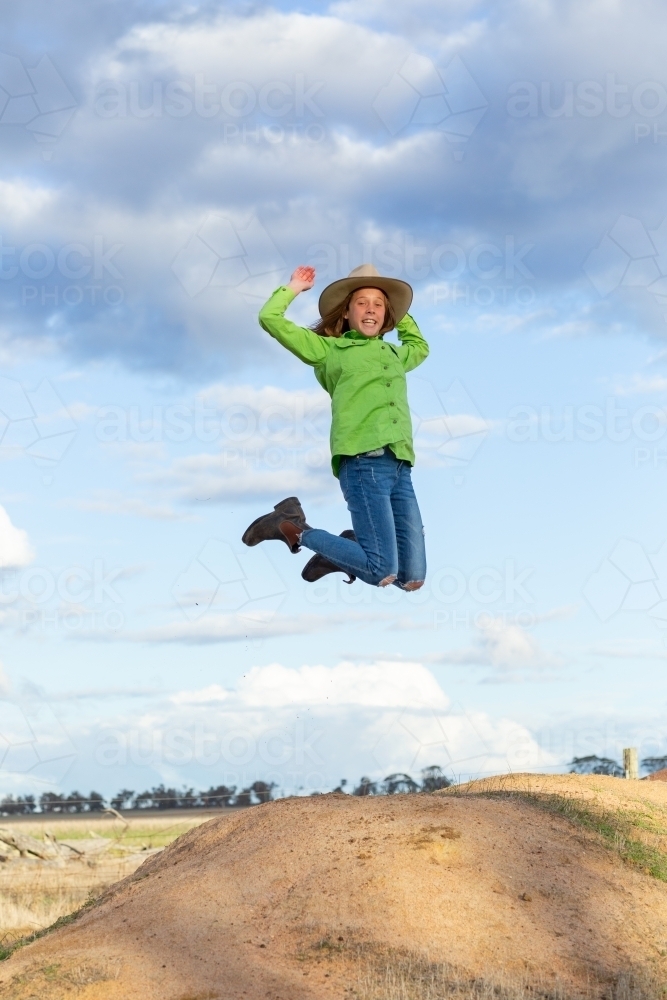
{"points": [[114, 812], [28, 845]]}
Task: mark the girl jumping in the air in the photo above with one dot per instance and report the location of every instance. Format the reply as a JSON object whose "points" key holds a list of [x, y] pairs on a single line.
{"points": [[371, 430]]}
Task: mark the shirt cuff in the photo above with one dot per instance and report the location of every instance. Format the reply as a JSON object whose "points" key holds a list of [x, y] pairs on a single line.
{"points": [[288, 293]]}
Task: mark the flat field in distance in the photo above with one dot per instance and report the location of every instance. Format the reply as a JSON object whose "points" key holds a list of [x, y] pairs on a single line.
{"points": [[35, 893]]}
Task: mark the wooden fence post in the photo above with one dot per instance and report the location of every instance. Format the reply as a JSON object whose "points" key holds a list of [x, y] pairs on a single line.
{"points": [[630, 763]]}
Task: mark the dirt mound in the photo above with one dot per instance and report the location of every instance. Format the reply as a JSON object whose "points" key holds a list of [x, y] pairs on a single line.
{"points": [[481, 888], [601, 788], [660, 775]]}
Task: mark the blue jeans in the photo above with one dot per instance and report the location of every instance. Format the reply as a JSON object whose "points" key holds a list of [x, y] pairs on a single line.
{"points": [[386, 521]]}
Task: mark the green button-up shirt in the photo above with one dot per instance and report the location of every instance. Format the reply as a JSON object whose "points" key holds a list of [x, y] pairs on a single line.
{"points": [[364, 377]]}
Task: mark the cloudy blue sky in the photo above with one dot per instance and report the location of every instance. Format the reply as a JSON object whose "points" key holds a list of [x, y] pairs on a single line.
{"points": [[165, 166]]}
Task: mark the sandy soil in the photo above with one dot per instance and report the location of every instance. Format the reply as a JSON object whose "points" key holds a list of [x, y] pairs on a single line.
{"points": [[235, 908]]}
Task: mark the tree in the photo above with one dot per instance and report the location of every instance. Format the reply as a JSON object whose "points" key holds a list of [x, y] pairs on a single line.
{"points": [[263, 792], [433, 778], [95, 802], [157, 798], [366, 787], [217, 798], [21, 806], [651, 764], [122, 800], [399, 784], [144, 800], [343, 783], [74, 803], [243, 798], [51, 802], [596, 765], [166, 798], [188, 799]]}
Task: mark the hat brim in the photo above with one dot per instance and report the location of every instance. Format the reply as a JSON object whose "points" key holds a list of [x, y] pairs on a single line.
{"points": [[398, 292]]}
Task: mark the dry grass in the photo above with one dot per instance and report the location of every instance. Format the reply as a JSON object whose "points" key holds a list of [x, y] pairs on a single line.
{"points": [[35, 894], [72, 980], [391, 974]]}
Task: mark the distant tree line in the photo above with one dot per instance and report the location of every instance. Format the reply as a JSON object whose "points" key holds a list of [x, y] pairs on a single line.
{"points": [[188, 798], [605, 765], [51, 802], [432, 779], [154, 798], [161, 797]]}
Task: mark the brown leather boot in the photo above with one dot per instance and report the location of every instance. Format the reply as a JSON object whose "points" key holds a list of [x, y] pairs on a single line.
{"points": [[267, 527], [318, 566], [291, 532]]}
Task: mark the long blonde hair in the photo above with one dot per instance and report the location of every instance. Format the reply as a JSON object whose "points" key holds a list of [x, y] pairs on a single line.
{"points": [[334, 324]]}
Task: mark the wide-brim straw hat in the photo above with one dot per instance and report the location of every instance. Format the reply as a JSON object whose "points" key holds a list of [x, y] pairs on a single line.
{"points": [[398, 292]]}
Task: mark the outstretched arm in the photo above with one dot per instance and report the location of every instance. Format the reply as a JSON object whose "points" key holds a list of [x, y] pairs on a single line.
{"points": [[413, 349], [305, 344]]}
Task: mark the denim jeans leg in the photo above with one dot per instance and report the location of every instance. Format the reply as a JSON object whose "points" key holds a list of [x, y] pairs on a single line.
{"points": [[366, 484], [409, 530]]}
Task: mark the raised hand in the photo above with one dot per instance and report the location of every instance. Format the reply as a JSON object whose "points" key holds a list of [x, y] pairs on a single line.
{"points": [[302, 279]]}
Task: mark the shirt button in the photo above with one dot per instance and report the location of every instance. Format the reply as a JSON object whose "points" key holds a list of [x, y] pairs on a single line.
{"points": [[383, 347], [391, 404], [394, 421]]}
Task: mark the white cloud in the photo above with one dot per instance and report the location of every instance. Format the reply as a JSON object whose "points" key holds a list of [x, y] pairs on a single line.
{"points": [[296, 187], [507, 648], [236, 475], [272, 410], [110, 502], [381, 684], [15, 548], [307, 727], [311, 45], [265, 443], [19, 200], [213, 628], [387, 685]]}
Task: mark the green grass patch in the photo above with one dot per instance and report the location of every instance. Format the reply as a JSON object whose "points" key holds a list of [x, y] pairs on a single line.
{"points": [[153, 836], [150, 835], [617, 829], [6, 951]]}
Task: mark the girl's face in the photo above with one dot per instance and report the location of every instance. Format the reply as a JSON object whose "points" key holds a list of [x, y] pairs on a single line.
{"points": [[366, 311]]}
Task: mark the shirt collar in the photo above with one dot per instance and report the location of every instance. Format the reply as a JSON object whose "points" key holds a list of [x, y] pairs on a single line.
{"points": [[355, 335]]}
